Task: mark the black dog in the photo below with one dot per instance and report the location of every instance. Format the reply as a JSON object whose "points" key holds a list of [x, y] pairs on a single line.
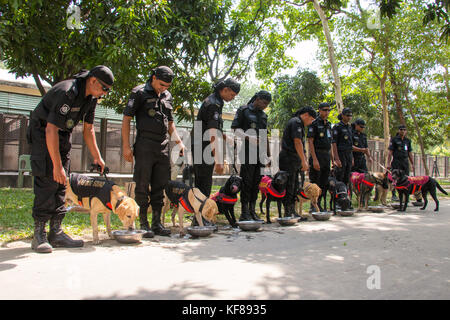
{"points": [[226, 198], [273, 190], [339, 193], [409, 185], [188, 175]]}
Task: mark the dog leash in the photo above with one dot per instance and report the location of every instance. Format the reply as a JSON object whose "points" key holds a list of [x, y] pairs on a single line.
{"points": [[98, 168]]}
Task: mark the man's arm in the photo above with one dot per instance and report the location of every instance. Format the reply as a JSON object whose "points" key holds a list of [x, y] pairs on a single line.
{"points": [[312, 151], [52, 141], [173, 131], [337, 161], [91, 143], [300, 151]]}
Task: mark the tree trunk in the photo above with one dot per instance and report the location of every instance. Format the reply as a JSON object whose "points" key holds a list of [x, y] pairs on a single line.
{"points": [[385, 118], [39, 84], [397, 96], [331, 55], [419, 135]]}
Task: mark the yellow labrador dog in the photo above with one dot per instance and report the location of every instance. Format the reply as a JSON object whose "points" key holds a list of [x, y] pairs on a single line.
{"points": [[187, 199], [98, 195], [310, 192]]}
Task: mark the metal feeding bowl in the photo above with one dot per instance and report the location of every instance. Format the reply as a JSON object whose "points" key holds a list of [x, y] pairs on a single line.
{"points": [[128, 236], [417, 204], [287, 221], [250, 225], [375, 209], [346, 213], [395, 205], [321, 216], [198, 231]]}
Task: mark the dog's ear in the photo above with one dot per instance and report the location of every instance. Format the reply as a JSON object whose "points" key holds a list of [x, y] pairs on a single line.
{"points": [[332, 183]]}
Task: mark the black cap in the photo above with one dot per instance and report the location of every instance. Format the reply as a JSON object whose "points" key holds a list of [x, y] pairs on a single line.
{"points": [[324, 105], [264, 95], [103, 73], [360, 122], [164, 73], [402, 126], [309, 110], [230, 83], [347, 112]]}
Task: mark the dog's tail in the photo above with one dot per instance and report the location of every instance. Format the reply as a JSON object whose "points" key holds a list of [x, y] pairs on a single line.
{"points": [[440, 188]]}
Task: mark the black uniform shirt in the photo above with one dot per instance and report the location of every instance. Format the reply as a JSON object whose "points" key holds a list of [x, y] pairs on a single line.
{"points": [[210, 115], [320, 130], [359, 141], [294, 129], [400, 147], [342, 136], [249, 117], [153, 113], [65, 104]]}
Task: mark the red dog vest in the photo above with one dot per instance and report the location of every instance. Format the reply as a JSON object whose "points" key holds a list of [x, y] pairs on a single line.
{"points": [[265, 186]]}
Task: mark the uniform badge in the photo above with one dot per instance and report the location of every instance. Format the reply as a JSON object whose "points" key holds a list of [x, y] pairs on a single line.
{"points": [[70, 123], [253, 125], [216, 116], [130, 103], [356, 143], [321, 134], [152, 112], [345, 137], [64, 109], [299, 129]]}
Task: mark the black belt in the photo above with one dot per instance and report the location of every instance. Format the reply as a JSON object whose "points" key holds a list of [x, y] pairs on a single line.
{"points": [[151, 136], [322, 150]]}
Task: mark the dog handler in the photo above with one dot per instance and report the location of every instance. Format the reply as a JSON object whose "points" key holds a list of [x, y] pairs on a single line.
{"points": [[319, 141], [292, 155], [151, 104], [360, 147], [249, 119], [210, 117], [50, 131], [399, 153], [342, 143]]}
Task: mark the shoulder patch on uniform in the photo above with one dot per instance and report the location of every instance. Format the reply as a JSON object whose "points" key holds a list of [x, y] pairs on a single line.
{"points": [[311, 129], [216, 116], [130, 103], [299, 129], [64, 109]]}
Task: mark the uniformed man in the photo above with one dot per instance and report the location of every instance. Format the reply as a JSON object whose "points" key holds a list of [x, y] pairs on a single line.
{"points": [[342, 144], [360, 147], [292, 156], [319, 141], [50, 135], [210, 118], [249, 119], [400, 151], [151, 104]]}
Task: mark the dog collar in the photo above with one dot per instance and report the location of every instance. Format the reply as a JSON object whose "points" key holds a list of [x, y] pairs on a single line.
{"points": [[119, 201], [223, 198]]}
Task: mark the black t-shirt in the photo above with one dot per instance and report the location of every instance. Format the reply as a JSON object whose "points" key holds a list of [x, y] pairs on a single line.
{"points": [[153, 113], [320, 130], [65, 104], [342, 136], [400, 147], [359, 141], [294, 129]]}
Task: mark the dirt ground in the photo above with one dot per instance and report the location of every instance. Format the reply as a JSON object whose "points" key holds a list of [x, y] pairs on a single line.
{"points": [[388, 255]]}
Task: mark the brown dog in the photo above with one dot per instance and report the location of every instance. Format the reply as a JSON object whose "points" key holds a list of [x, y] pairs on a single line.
{"points": [[98, 195], [382, 185], [187, 199], [310, 192], [362, 185]]}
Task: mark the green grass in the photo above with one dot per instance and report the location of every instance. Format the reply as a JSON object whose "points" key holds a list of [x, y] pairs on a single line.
{"points": [[16, 222]]}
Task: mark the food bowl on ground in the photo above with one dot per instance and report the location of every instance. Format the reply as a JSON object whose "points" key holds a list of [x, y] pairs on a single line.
{"points": [[321, 216], [417, 204], [376, 209], [345, 213], [287, 221], [198, 231], [128, 236], [250, 225], [395, 205]]}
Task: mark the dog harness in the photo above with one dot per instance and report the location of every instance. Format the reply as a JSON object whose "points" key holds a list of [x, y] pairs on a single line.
{"points": [[85, 186], [223, 198], [417, 183], [265, 187], [178, 195], [358, 178]]}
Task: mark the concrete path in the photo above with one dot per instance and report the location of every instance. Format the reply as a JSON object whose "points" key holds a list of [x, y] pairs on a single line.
{"points": [[368, 256]]}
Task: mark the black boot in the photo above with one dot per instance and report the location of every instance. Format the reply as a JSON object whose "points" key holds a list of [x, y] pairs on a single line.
{"points": [[40, 243], [252, 210], [245, 214], [57, 237], [143, 222], [157, 227]]}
